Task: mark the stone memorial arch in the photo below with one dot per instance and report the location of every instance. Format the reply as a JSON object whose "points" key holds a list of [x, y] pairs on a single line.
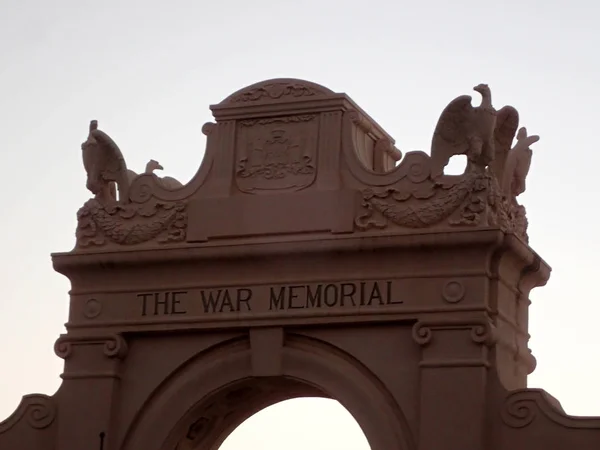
{"points": [[306, 257]]}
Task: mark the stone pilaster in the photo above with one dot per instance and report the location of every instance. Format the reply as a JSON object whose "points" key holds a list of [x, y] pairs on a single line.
{"points": [[453, 382], [90, 386]]}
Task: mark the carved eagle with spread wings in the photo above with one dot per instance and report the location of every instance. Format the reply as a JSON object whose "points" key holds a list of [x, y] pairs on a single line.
{"points": [[105, 165], [482, 133]]}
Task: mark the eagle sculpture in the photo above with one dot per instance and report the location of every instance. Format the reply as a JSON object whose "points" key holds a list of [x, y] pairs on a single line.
{"points": [[517, 165], [482, 133], [105, 166]]}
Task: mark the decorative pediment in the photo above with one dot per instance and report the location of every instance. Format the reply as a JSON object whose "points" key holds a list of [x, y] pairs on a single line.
{"points": [[291, 157]]}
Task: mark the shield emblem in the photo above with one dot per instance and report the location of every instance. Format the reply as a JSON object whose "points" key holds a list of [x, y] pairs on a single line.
{"points": [[276, 154]]}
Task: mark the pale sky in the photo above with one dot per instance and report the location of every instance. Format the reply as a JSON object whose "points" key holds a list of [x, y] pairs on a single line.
{"points": [[148, 70]]}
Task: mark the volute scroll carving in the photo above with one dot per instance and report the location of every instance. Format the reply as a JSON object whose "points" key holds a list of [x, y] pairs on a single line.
{"points": [[63, 347], [421, 333], [481, 331], [38, 410], [523, 406], [113, 345]]}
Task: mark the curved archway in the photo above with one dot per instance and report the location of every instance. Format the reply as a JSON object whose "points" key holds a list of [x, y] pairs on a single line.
{"points": [[298, 424], [211, 395]]}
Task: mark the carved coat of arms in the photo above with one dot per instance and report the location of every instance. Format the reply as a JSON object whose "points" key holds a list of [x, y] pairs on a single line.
{"points": [[277, 153]]}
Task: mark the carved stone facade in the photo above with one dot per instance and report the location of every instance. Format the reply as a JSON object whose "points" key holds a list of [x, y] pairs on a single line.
{"points": [[308, 256]]}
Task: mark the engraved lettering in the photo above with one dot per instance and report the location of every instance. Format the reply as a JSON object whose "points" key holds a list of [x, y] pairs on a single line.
{"points": [[293, 295], [164, 302], [388, 291], [375, 295], [254, 300], [176, 307], [224, 301], [277, 302], [210, 300], [244, 295], [330, 295], [144, 298], [362, 293], [348, 291], [313, 298], [226, 304]]}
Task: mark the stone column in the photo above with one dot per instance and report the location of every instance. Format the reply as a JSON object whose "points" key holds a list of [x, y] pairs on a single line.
{"points": [[87, 395], [453, 383]]}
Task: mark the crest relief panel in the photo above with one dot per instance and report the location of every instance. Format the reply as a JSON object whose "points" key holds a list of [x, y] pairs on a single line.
{"points": [[276, 153]]}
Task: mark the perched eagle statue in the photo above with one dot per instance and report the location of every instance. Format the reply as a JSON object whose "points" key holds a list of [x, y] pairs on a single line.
{"points": [[105, 166], [518, 162], [482, 133]]}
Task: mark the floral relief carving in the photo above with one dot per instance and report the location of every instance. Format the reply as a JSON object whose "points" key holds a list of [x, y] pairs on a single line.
{"points": [[472, 200], [130, 224], [276, 91], [421, 209], [288, 119], [506, 213]]}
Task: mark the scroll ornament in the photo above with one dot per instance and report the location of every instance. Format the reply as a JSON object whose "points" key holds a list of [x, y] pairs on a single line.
{"points": [[522, 407], [37, 409]]}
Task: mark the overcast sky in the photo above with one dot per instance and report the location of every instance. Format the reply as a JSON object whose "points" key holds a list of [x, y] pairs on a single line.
{"points": [[147, 70]]}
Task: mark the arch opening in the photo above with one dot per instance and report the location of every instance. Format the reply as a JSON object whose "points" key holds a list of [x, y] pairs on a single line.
{"points": [[207, 398], [300, 423], [258, 412]]}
